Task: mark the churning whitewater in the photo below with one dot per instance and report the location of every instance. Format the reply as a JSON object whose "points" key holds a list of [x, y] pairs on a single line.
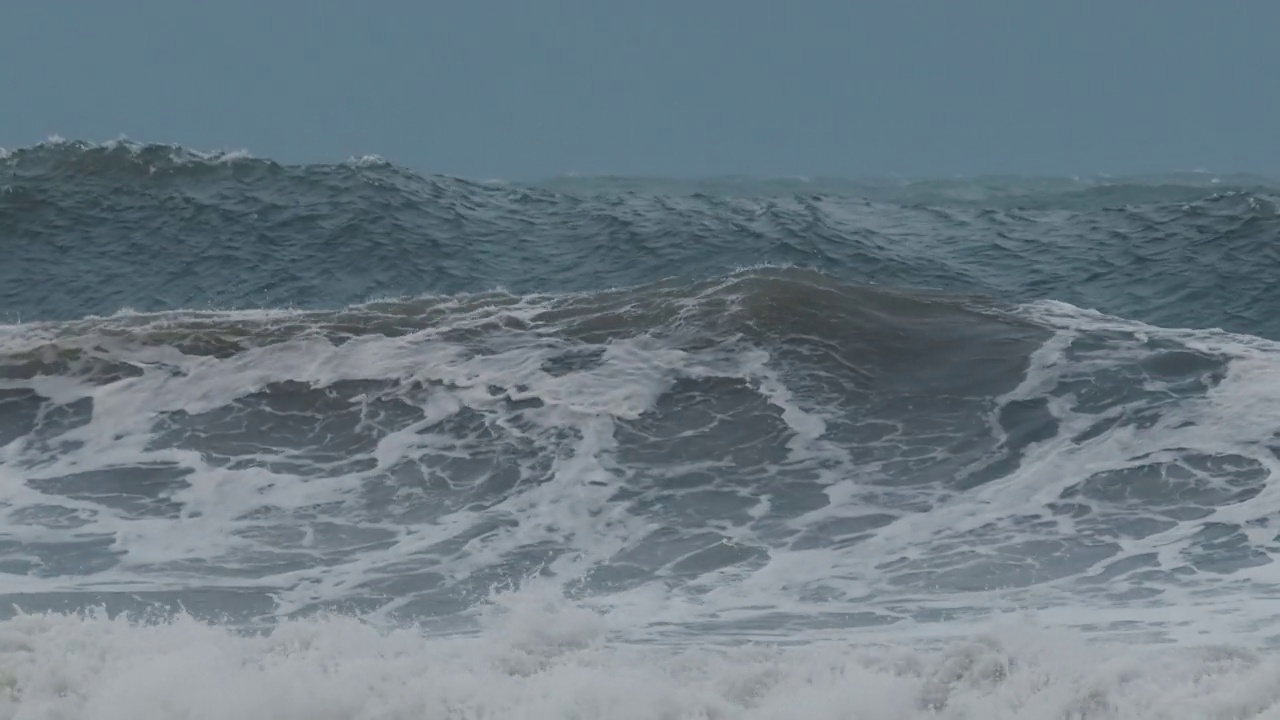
{"points": [[343, 441]]}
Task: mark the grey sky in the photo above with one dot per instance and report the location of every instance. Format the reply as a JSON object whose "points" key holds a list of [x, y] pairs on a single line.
{"points": [[503, 88]]}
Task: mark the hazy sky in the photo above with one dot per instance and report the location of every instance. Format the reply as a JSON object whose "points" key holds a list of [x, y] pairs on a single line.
{"points": [[518, 89]]}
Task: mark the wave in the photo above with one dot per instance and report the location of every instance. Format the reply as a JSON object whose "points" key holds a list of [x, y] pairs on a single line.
{"points": [[122, 156], [771, 454], [127, 160], [235, 232]]}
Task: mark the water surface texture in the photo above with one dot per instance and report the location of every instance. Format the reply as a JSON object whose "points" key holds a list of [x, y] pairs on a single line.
{"points": [[348, 441]]}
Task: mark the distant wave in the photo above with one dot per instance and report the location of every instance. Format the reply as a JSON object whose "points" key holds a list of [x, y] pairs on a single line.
{"points": [[227, 231]]}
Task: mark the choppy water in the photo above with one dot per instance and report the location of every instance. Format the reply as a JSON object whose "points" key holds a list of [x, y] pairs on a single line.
{"points": [[346, 441]]}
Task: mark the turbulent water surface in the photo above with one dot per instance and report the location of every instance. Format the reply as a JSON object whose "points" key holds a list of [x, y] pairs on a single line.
{"points": [[344, 441]]}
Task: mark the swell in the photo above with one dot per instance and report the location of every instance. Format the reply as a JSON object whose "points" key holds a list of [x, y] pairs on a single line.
{"points": [[94, 229]]}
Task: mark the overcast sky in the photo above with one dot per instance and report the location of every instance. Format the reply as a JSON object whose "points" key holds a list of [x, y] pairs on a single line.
{"points": [[519, 89]]}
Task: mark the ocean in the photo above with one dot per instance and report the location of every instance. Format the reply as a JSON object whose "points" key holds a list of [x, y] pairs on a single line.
{"points": [[348, 441]]}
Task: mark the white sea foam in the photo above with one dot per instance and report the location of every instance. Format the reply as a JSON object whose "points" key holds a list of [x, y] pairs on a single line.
{"points": [[178, 153], [367, 161], [701, 542], [535, 660]]}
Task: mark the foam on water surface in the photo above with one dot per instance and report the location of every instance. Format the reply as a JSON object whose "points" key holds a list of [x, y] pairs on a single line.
{"points": [[537, 660], [771, 455]]}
